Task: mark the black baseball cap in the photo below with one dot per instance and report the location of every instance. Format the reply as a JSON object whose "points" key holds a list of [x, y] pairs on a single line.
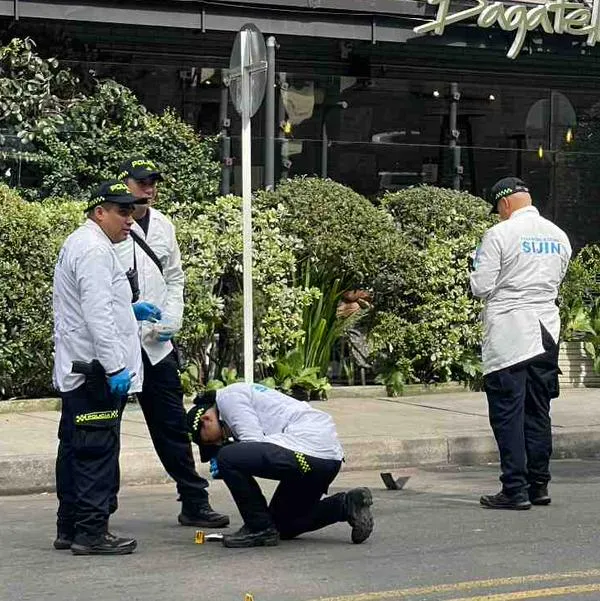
{"points": [[111, 191], [139, 168], [505, 187], [202, 403]]}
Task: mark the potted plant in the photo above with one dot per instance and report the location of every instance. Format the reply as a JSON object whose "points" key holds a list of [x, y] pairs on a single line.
{"points": [[579, 355]]}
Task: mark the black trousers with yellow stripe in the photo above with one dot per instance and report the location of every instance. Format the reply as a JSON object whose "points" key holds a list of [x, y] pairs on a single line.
{"points": [[297, 505], [87, 464]]}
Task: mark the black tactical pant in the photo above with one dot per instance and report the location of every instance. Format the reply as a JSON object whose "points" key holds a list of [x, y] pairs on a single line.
{"points": [[161, 401], [87, 463], [296, 506], [519, 409]]}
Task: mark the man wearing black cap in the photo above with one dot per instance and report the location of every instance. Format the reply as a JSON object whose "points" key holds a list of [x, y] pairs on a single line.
{"points": [[152, 251], [517, 272], [97, 363], [254, 431]]}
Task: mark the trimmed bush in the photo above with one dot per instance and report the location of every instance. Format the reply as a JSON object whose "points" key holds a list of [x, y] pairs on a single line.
{"points": [[30, 238], [344, 236], [428, 324]]}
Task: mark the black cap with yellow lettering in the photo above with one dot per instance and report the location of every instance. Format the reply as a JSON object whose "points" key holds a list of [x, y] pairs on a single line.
{"points": [[111, 191], [202, 403], [505, 187], [139, 168]]}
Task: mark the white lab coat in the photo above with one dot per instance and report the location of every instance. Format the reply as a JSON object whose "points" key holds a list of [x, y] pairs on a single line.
{"points": [[518, 270], [255, 413], [93, 318], [163, 290]]}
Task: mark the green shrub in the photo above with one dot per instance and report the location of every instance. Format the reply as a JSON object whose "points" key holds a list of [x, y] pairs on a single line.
{"points": [[580, 288], [30, 237], [427, 325], [63, 138], [211, 246], [344, 236], [346, 243]]}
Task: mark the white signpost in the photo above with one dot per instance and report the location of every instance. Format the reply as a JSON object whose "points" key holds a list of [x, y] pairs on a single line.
{"points": [[247, 80]]}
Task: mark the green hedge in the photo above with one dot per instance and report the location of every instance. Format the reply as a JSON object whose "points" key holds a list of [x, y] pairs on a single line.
{"points": [[428, 326], [30, 237]]}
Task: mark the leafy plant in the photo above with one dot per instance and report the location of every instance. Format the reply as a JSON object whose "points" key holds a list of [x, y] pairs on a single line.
{"points": [[291, 376], [579, 289], [585, 326], [346, 243], [30, 238], [426, 319]]}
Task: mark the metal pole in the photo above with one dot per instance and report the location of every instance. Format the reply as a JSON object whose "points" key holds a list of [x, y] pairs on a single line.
{"points": [[454, 135], [270, 116], [324, 145], [225, 123], [247, 213]]}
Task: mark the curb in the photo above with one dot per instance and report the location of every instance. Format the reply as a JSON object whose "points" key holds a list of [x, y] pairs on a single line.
{"points": [[35, 473], [337, 392]]}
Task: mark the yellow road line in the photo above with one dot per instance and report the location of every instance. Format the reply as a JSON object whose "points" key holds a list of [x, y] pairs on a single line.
{"points": [[578, 589], [468, 585]]}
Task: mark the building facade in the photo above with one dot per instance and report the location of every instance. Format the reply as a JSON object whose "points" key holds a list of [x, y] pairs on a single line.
{"points": [[449, 92]]}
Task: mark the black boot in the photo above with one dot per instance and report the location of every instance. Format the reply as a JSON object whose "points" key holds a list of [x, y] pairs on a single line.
{"points": [[538, 493], [63, 540], [105, 544], [358, 507], [201, 514], [501, 500], [246, 538]]}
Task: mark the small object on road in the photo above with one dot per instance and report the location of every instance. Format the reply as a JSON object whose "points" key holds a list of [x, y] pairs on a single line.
{"points": [[392, 483], [202, 538], [249, 597]]}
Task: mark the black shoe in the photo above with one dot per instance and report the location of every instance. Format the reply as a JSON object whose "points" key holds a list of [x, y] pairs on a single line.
{"points": [[504, 501], [63, 541], [538, 494], [245, 538], [201, 514], [358, 503], [106, 544]]}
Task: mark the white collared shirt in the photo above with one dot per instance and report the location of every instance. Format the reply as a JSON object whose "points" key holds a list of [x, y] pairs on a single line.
{"points": [[518, 270], [93, 317], [163, 290], [255, 413]]}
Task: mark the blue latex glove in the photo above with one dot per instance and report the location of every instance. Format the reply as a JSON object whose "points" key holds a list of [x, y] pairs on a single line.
{"points": [[120, 382], [214, 469], [166, 335], [146, 311]]}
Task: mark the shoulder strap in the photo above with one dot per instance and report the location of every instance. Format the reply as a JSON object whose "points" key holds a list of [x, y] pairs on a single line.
{"points": [[144, 246]]}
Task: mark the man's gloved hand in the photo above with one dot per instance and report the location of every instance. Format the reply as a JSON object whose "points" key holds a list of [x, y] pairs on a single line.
{"points": [[120, 382], [214, 469], [146, 311]]}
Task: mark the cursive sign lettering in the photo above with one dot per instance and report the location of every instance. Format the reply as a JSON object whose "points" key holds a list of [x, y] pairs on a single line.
{"points": [[556, 16]]}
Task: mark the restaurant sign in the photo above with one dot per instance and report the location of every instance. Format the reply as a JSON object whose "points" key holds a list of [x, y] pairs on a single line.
{"points": [[555, 16]]}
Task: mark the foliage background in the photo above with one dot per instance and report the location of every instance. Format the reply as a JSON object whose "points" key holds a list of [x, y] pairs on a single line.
{"points": [[427, 326]]}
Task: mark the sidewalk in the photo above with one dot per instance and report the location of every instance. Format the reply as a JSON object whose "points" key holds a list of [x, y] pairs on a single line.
{"points": [[377, 432]]}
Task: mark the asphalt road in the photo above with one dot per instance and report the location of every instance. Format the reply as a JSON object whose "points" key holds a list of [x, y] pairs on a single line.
{"points": [[432, 542]]}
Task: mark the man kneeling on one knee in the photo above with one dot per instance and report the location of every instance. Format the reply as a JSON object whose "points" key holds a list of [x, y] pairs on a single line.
{"points": [[274, 436]]}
